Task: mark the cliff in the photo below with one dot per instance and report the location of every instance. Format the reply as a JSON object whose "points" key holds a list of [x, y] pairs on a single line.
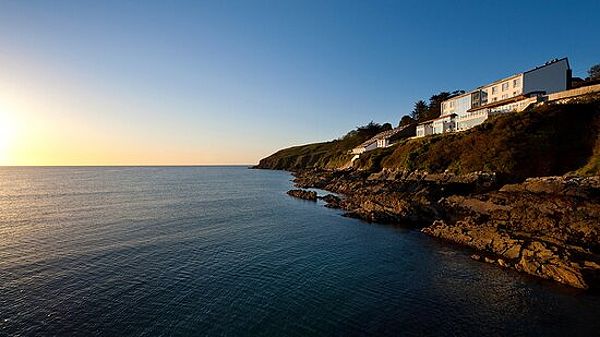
{"points": [[328, 155], [522, 190], [547, 140]]}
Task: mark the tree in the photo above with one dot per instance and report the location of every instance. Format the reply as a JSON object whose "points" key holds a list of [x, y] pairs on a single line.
{"points": [[423, 111], [406, 120], [420, 110], [386, 127], [594, 73], [373, 128], [435, 102]]}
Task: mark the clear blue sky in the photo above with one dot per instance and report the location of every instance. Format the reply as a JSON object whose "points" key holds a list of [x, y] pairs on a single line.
{"points": [[232, 81]]}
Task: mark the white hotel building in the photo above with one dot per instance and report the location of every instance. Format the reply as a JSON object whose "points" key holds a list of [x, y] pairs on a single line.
{"points": [[512, 93]]}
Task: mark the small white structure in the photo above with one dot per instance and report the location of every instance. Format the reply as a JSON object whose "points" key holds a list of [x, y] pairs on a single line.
{"points": [[424, 129], [444, 124], [383, 142], [369, 145], [384, 139], [509, 94]]}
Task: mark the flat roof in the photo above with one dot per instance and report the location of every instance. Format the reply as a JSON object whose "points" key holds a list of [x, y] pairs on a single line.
{"points": [[435, 119], [551, 62], [499, 103], [459, 96], [499, 81]]}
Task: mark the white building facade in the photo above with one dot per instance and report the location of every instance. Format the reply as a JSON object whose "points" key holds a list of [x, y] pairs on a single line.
{"points": [[365, 147], [424, 129], [510, 94]]}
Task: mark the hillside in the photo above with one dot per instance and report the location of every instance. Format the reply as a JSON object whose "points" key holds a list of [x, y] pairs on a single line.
{"points": [[510, 189], [331, 155], [547, 140]]}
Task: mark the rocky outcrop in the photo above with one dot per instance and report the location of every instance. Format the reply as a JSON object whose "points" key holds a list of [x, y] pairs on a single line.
{"points": [[331, 201], [303, 194], [547, 227], [404, 197]]}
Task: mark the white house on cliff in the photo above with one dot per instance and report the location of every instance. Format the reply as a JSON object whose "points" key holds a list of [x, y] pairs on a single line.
{"points": [[512, 93]]}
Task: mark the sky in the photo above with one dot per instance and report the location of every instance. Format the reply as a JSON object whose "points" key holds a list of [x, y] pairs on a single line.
{"points": [[229, 82]]}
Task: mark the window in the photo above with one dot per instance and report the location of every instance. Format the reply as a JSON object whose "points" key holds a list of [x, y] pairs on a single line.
{"points": [[494, 99], [516, 82], [505, 96], [494, 90], [514, 93], [504, 86]]}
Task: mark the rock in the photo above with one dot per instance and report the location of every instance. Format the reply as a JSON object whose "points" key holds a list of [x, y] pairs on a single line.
{"points": [[512, 252], [331, 200], [303, 194], [489, 260], [548, 227]]}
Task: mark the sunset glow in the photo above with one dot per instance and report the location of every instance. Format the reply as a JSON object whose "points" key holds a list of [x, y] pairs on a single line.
{"points": [[8, 134], [211, 83]]}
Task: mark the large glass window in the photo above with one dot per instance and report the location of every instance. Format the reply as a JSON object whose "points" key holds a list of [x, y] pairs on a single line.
{"points": [[504, 86]]}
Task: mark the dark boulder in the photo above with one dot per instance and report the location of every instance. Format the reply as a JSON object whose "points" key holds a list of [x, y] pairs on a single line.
{"points": [[332, 201], [303, 194]]}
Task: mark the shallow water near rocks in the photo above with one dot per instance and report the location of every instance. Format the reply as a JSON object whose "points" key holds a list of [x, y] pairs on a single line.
{"points": [[223, 251]]}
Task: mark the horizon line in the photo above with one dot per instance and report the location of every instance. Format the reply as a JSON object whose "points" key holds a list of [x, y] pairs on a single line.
{"points": [[134, 165]]}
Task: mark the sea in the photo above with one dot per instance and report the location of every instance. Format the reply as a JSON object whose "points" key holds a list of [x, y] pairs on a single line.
{"points": [[223, 251]]}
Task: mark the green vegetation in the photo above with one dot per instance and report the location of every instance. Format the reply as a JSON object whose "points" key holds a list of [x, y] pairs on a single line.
{"points": [[548, 140], [594, 73], [333, 154], [423, 111], [406, 120], [371, 161]]}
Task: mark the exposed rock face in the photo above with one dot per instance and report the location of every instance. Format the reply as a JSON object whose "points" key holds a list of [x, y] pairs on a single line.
{"points": [[331, 200], [303, 194], [393, 196], [547, 227]]}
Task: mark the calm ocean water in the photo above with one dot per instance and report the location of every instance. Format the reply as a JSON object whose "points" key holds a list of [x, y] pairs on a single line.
{"points": [[222, 251]]}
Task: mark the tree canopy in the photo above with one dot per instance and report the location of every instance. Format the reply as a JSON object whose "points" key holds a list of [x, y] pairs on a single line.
{"points": [[423, 111], [369, 130], [594, 72], [406, 120], [420, 110]]}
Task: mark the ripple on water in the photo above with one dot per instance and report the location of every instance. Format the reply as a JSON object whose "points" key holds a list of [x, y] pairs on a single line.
{"points": [[223, 252]]}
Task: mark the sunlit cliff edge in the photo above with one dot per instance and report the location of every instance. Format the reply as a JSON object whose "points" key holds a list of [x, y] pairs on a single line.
{"points": [[522, 190]]}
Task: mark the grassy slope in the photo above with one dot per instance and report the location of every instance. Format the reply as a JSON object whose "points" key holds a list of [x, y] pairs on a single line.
{"points": [[333, 154], [549, 140], [305, 156]]}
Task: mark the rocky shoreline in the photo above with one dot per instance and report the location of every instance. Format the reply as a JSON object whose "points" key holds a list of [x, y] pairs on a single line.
{"points": [[548, 227]]}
